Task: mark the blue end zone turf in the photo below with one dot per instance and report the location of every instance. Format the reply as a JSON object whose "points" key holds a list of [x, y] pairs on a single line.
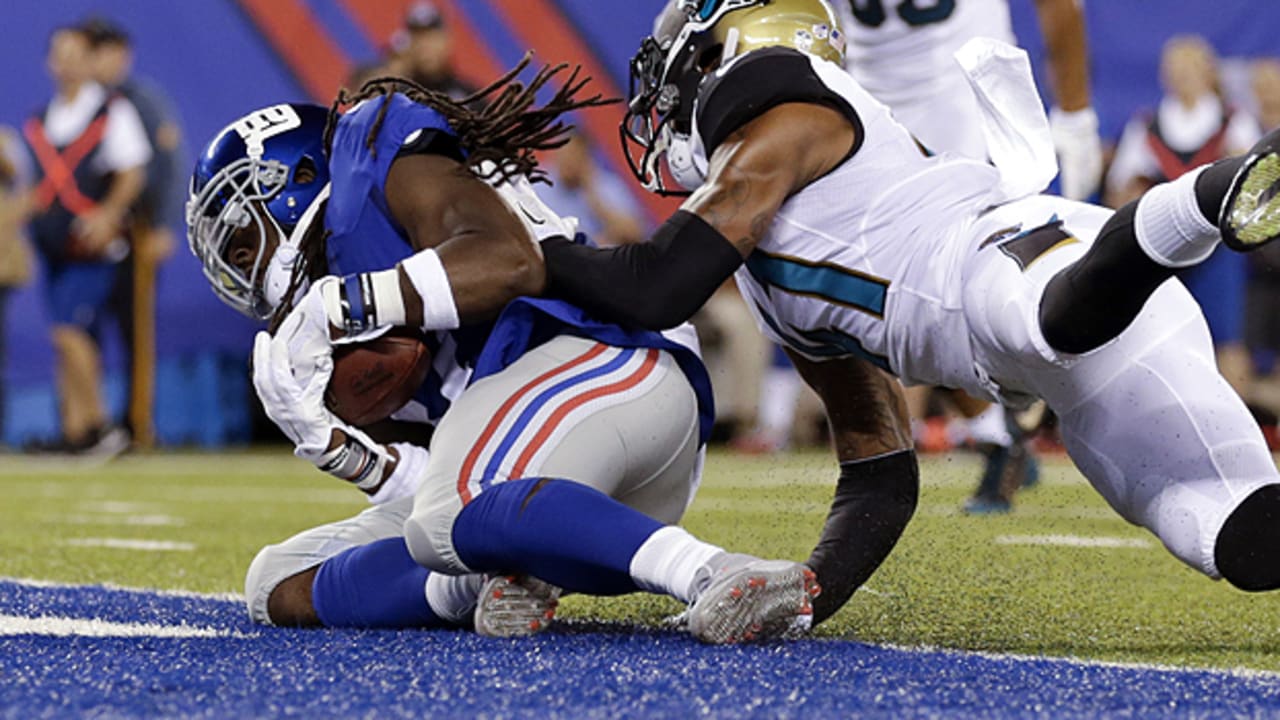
{"points": [[248, 671]]}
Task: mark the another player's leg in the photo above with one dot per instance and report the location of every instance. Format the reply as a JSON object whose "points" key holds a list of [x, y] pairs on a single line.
{"points": [[1173, 449], [1147, 418], [355, 573], [623, 425], [1172, 226]]}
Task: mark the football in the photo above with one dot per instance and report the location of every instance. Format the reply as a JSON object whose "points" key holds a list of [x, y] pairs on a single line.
{"points": [[373, 379]]}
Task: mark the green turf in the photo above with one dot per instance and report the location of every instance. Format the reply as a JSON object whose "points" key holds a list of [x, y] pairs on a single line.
{"points": [[948, 584]]}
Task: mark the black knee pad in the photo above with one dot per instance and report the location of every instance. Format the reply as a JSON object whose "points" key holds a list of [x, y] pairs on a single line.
{"points": [[1247, 551]]}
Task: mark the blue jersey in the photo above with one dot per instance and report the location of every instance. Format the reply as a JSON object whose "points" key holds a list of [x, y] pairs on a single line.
{"points": [[364, 238]]}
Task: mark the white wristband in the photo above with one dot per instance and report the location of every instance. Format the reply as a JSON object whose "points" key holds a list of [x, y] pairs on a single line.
{"points": [[404, 480], [369, 300], [1081, 121], [427, 274]]}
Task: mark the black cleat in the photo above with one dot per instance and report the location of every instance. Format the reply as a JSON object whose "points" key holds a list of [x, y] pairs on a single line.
{"points": [[1250, 216]]}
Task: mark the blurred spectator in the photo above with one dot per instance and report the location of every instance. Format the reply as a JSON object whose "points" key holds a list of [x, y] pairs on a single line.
{"points": [[1192, 126], [1266, 89], [426, 56], [91, 152], [15, 257], [606, 210], [1261, 328], [159, 205]]}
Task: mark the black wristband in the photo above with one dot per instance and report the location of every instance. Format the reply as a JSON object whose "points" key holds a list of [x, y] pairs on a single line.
{"points": [[873, 502]]}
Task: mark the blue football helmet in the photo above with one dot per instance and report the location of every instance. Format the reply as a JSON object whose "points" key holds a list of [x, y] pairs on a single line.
{"points": [[265, 169]]}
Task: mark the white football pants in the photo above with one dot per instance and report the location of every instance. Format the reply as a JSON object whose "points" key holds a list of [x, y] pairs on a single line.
{"points": [[623, 421], [1146, 417]]}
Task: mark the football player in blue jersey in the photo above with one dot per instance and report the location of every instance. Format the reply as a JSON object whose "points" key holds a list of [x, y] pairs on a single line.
{"points": [[564, 448]]}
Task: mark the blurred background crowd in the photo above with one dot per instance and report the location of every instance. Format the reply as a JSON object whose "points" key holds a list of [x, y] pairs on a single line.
{"points": [[109, 338]]}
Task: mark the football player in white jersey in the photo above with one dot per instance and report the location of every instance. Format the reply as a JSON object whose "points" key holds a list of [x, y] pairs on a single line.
{"points": [[858, 251], [902, 52]]}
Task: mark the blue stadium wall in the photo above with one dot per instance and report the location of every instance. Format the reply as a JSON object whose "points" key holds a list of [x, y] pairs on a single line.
{"points": [[217, 58]]}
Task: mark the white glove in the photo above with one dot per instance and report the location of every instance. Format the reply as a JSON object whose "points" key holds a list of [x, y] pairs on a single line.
{"points": [[1079, 148], [290, 374], [541, 221], [305, 334]]}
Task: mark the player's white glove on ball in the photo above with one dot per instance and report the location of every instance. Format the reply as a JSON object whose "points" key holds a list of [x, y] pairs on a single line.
{"points": [[1079, 148], [290, 374], [305, 333]]}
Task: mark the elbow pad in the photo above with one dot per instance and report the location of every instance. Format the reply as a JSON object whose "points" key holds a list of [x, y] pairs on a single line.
{"points": [[654, 285], [874, 500]]}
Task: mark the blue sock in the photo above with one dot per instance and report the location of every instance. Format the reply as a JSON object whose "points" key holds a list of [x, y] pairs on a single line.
{"points": [[560, 531], [373, 586]]}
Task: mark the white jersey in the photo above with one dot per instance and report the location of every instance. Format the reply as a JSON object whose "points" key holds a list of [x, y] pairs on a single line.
{"points": [[902, 52], [866, 261]]}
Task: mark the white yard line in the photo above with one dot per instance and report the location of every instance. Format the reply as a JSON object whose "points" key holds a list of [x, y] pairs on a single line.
{"points": [[66, 627], [1075, 541], [33, 582], [184, 494], [1241, 672], [1068, 512], [125, 520], [117, 507], [131, 544], [16, 625]]}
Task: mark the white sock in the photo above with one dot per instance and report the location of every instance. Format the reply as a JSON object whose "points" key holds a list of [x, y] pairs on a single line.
{"points": [[1170, 227], [453, 597], [668, 562], [989, 427]]}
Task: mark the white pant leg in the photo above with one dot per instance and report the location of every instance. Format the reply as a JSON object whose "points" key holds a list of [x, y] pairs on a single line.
{"points": [[276, 563], [624, 422], [1146, 417]]}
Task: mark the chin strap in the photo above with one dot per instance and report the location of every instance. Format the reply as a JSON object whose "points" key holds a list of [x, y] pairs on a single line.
{"points": [[279, 270]]}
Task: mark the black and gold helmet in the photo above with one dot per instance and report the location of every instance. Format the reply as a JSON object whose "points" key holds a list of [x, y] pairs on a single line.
{"points": [[694, 37]]}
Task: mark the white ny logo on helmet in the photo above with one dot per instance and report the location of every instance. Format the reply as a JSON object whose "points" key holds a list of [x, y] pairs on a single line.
{"points": [[257, 128]]}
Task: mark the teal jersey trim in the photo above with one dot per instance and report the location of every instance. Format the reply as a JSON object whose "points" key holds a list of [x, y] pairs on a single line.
{"points": [[826, 281]]}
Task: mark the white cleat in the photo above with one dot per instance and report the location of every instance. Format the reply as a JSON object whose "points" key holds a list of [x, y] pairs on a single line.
{"points": [[515, 606], [752, 599]]}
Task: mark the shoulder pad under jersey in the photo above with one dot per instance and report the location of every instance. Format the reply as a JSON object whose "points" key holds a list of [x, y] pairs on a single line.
{"points": [[757, 82]]}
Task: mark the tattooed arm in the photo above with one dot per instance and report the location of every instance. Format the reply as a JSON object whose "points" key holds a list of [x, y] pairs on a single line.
{"points": [[752, 172], [879, 481], [765, 162]]}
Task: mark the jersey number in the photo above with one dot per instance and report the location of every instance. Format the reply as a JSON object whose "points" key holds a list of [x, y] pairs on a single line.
{"points": [[872, 14]]}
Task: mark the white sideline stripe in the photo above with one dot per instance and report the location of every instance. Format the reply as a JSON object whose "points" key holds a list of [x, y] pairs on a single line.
{"points": [[1073, 541], [65, 627], [130, 544], [36, 583]]}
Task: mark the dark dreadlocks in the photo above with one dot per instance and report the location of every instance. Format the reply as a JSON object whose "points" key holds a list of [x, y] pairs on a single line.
{"points": [[498, 128]]}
